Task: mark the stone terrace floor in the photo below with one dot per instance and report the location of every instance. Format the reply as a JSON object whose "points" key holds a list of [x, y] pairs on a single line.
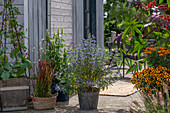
{"points": [[106, 104]]}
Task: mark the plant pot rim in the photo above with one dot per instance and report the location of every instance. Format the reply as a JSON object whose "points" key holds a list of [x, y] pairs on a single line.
{"points": [[43, 98], [94, 89]]}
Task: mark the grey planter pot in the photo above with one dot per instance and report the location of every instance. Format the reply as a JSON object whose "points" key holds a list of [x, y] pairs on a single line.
{"points": [[88, 100]]}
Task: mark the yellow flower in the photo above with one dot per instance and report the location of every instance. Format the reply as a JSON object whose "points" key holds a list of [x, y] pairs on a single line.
{"points": [[142, 88], [138, 83]]}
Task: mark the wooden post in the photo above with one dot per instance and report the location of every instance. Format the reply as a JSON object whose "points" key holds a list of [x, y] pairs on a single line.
{"points": [[78, 20], [26, 25], [100, 23]]}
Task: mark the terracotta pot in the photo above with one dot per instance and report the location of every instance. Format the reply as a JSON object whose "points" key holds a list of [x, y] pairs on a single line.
{"points": [[44, 103]]}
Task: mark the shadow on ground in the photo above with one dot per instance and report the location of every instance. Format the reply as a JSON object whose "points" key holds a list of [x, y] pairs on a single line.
{"points": [[75, 109]]}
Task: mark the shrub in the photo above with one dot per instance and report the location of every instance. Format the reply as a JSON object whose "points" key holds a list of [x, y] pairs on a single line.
{"points": [[87, 67]]}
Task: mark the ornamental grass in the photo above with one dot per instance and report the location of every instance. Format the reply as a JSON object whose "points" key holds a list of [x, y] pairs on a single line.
{"points": [[43, 79], [152, 103]]}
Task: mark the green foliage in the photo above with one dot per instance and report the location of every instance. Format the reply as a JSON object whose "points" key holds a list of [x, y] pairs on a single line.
{"points": [[11, 33], [43, 79], [139, 30], [56, 51], [110, 26]]}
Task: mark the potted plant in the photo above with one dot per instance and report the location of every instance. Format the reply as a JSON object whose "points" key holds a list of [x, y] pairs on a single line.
{"points": [[88, 72], [42, 98], [14, 61], [55, 50]]}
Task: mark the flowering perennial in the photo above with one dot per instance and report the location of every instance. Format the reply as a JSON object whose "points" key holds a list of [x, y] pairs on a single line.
{"points": [[151, 80], [158, 56]]}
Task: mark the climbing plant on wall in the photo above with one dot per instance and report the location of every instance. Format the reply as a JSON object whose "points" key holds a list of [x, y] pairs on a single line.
{"points": [[14, 57]]}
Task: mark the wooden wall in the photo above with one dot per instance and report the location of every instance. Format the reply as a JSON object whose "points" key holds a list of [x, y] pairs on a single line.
{"points": [[61, 17]]}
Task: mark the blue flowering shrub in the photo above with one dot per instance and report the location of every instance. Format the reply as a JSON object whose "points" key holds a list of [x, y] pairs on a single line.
{"points": [[87, 66]]}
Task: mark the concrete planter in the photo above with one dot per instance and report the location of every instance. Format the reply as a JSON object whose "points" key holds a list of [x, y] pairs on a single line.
{"points": [[88, 100]]}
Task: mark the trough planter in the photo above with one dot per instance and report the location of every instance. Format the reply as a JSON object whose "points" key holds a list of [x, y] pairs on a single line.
{"points": [[14, 94], [44, 103], [88, 100]]}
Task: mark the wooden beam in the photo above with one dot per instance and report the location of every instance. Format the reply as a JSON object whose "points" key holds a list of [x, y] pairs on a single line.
{"points": [[78, 20], [100, 23], [26, 25]]}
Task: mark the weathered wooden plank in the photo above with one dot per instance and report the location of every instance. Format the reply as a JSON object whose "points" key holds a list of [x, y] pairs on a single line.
{"points": [[31, 29], [100, 23], [78, 20], [61, 24], [19, 2], [36, 22], [49, 16], [40, 25], [14, 88], [14, 82], [20, 19], [74, 35], [44, 17], [26, 22]]}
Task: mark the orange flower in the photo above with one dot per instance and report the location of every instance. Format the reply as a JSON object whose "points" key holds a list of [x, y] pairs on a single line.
{"points": [[147, 48], [165, 53], [160, 54], [169, 46], [162, 48], [149, 52], [152, 46], [145, 52]]}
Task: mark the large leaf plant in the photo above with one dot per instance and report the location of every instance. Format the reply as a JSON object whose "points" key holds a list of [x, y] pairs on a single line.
{"points": [[139, 33]]}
